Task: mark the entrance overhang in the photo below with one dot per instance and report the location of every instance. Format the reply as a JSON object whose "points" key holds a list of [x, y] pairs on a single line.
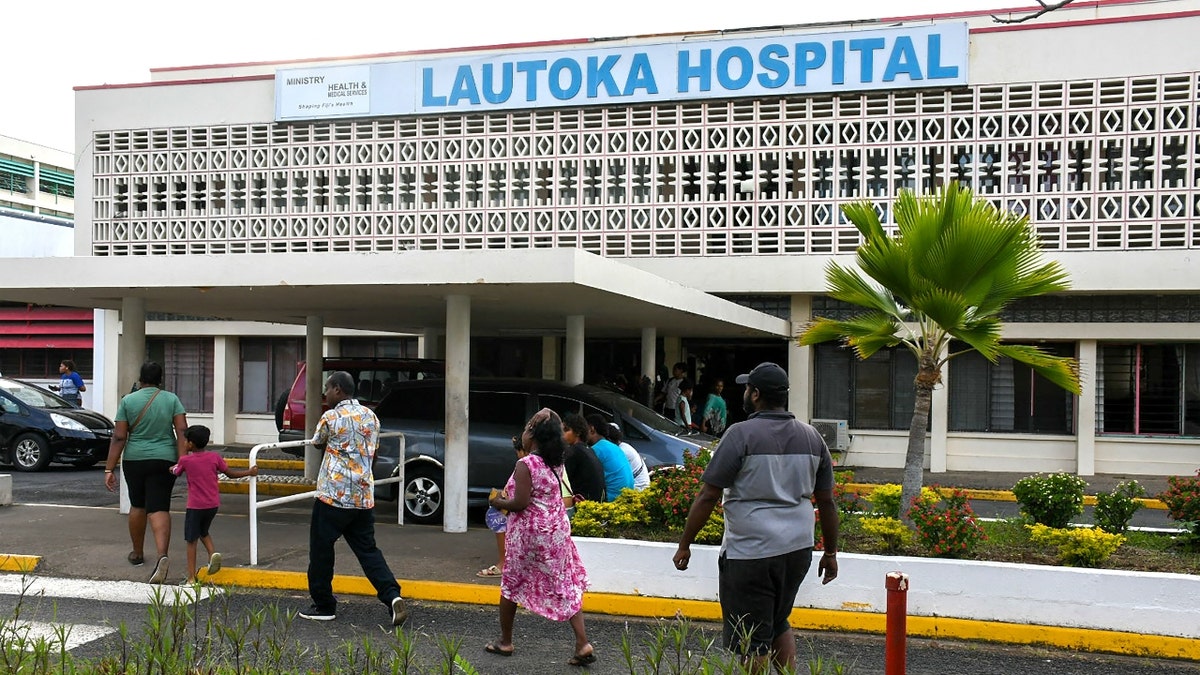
{"points": [[528, 291]]}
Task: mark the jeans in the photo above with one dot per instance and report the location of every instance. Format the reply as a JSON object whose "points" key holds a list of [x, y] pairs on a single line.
{"points": [[358, 527]]}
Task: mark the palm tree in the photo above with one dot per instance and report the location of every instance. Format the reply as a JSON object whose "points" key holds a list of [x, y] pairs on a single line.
{"points": [[954, 264]]}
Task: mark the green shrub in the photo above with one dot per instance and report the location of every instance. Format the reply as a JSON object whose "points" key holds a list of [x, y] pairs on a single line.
{"points": [[1183, 501], [891, 534], [607, 519], [1115, 509], [1077, 546], [1051, 499], [672, 491], [885, 499], [946, 526], [847, 501]]}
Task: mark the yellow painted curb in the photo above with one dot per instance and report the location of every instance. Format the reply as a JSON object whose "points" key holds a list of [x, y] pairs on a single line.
{"points": [[864, 489], [269, 489], [19, 563], [1092, 640], [274, 464]]}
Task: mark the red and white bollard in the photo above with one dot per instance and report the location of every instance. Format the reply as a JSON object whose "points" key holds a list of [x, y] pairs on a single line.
{"points": [[897, 623]]}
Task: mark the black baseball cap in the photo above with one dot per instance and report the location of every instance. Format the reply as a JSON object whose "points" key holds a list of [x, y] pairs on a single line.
{"points": [[766, 376]]}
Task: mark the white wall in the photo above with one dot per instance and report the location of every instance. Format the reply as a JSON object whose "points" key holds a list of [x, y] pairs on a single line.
{"points": [[30, 238]]}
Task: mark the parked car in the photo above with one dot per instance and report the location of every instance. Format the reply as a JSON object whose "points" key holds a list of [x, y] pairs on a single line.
{"points": [[374, 375], [38, 427], [497, 408]]}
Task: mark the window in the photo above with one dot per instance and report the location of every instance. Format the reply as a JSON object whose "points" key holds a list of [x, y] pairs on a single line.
{"points": [[187, 370], [379, 347], [563, 405], [1149, 389], [269, 367], [427, 403], [1007, 396], [506, 409], [41, 363], [877, 393]]}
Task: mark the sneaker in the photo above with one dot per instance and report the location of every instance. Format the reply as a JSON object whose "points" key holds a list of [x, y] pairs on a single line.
{"points": [[214, 564], [399, 611], [315, 614], [159, 574]]}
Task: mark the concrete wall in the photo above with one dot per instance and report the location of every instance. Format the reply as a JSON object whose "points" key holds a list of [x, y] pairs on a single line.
{"points": [[1138, 602]]}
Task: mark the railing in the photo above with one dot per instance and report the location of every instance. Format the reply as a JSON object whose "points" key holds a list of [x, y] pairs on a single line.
{"points": [[255, 505]]}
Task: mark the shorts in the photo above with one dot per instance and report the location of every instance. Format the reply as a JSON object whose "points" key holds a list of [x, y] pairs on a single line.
{"points": [[196, 523], [757, 597], [150, 482]]}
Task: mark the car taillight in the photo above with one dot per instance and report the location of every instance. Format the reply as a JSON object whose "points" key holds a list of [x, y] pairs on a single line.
{"points": [[287, 417]]}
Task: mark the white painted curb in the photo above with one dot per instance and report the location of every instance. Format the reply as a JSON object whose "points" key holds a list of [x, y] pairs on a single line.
{"points": [[1148, 603]]}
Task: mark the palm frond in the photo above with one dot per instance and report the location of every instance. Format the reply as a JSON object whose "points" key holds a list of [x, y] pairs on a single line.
{"points": [[1061, 370], [848, 285]]}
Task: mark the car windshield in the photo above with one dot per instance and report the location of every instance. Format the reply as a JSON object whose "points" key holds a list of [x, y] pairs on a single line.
{"points": [[32, 396], [637, 411]]}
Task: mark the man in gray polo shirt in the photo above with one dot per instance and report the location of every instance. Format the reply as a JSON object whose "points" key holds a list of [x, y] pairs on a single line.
{"points": [[769, 468]]}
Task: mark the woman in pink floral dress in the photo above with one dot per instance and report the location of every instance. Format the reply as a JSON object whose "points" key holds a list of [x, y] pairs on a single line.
{"points": [[542, 569]]}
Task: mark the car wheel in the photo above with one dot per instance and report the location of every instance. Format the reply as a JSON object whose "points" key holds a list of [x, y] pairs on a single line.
{"points": [[279, 407], [423, 495], [30, 452]]}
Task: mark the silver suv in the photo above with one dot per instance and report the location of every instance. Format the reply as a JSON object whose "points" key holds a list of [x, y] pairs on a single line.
{"points": [[497, 409]]}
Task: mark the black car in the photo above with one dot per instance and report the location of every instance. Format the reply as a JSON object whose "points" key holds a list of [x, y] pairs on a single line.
{"points": [[498, 407], [38, 427]]}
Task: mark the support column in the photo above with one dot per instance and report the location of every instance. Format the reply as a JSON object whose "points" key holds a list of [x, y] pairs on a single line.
{"points": [[225, 388], [573, 360], [429, 344], [550, 353], [314, 342], [649, 352], [131, 353], [672, 351], [1085, 419], [458, 366], [939, 421], [799, 365]]}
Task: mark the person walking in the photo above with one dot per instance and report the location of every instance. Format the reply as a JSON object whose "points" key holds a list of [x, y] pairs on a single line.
{"points": [[769, 468], [204, 495], [542, 569], [348, 435], [147, 440], [70, 384]]}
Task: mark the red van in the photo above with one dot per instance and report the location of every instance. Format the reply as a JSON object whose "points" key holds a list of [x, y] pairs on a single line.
{"points": [[375, 377]]}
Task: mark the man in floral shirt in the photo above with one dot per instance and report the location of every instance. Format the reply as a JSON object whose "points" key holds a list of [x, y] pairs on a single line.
{"points": [[348, 434]]}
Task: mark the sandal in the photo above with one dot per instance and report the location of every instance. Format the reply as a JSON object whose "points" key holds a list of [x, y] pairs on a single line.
{"points": [[493, 648], [582, 659], [489, 572], [135, 560]]}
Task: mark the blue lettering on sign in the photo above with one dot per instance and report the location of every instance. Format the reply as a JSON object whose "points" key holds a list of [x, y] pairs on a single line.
{"points": [[427, 98], [464, 88], [601, 74], [809, 56], [866, 50], [687, 71], [641, 76], [903, 60], [489, 83], [531, 69], [571, 68], [936, 70], [839, 62], [770, 58], [746, 69]]}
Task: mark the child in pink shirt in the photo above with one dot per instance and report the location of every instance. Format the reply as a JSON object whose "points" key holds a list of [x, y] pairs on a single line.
{"points": [[204, 495]]}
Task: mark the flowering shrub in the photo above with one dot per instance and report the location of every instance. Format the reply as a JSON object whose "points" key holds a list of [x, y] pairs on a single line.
{"points": [[1183, 501], [946, 527], [1052, 499], [890, 532], [885, 499], [1115, 509], [1077, 546], [672, 491], [847, 501], [603, 519]]}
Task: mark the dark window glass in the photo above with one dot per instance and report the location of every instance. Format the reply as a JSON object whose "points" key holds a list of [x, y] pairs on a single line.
{"points": [[506, 408], [269, 367], [187, 369], [1007, 396], [877, 393], [1149, 389], [414, 403]]}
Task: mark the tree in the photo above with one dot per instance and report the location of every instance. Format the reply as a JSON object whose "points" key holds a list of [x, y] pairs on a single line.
{"points": [[952, 267], [1045, 9]]}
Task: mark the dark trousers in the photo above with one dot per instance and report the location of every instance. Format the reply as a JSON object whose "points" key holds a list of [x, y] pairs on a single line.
{"points": [[329, 523]]}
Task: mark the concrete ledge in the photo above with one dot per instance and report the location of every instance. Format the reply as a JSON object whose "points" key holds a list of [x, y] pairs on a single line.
{"points": [[5, 489]]}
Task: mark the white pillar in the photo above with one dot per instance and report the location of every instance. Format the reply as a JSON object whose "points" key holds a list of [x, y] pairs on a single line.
{"points": [[672, 352], [428, 345], [458, 366], [573, 360], [550, 357], [1085, 419], [939, 421], [226, 386], [131, 353], [649, 360], [314, 337], [108, 394], [799, 365]]}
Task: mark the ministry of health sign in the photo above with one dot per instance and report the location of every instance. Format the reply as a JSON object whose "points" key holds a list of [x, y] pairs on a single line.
{"points": [[782, 65]]}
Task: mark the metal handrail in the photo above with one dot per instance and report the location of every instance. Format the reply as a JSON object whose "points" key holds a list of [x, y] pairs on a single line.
{"points": [[255, 505]]}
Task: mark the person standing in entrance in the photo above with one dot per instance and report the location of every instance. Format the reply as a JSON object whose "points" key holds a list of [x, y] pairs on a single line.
{"points": [[70, 386], [770, 468], [348, 435], [147, 440]]}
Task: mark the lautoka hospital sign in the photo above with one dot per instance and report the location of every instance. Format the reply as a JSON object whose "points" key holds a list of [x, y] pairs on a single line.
{"points": [[779, 65]]}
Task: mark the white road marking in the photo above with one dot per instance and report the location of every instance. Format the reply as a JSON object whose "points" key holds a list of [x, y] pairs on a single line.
{"points": [[55, 636], [132, 592]]}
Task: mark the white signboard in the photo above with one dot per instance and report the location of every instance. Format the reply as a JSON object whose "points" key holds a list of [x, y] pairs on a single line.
{"points": [[782, 65]]}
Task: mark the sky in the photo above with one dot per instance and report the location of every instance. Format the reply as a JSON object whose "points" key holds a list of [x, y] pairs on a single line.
{"points": [[52, 47]]}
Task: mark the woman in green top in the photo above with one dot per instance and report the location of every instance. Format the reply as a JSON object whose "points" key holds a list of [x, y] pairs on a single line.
{"points": [[150, 427]]}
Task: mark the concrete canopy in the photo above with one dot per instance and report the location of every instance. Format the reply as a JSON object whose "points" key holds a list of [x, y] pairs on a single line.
{"points": [[513, 292]]}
